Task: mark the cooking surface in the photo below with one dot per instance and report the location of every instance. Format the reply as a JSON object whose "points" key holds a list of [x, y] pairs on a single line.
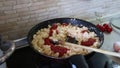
{"points": [[27, 58]]}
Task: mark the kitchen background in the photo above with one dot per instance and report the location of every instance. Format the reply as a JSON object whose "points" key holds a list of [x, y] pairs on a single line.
{"points": [[18, 16]]}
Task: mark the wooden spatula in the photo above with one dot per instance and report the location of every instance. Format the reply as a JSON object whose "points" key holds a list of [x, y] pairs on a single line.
{"points": [[95, 49]]}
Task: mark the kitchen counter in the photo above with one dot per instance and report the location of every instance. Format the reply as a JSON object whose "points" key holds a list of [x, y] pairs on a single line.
{"points": [[109, 40]]}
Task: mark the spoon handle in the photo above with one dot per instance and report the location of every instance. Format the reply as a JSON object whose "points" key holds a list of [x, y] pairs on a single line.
{"points": [[94, 49]]}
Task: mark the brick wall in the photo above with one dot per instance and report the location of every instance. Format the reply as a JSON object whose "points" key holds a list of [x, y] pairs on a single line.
{"points": [[18, 16]]}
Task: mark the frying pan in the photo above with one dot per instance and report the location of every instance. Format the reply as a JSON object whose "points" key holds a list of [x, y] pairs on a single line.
{"points": [[72, 21]]}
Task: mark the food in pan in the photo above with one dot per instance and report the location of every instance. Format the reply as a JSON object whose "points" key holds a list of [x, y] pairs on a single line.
{"points": [[49, 40]]}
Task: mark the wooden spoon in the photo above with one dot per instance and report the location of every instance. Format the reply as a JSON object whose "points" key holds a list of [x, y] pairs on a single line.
{"points": [[94, 49]]}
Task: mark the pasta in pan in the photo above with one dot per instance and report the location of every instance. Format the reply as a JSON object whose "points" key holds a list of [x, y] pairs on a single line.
{"points": [[49, 40]]}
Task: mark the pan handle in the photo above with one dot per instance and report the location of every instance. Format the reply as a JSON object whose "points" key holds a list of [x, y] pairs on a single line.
{"points": [[7, 48], [78, 61]]}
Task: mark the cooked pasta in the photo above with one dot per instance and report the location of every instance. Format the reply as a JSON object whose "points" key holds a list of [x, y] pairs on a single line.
{"points": [[48, 40]]}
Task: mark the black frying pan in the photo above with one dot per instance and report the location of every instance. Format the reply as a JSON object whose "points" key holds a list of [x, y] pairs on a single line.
{"points": [[72, 21]]}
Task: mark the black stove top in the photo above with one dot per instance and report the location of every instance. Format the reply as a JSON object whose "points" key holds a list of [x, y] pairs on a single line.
{"points": [[27, 58]]}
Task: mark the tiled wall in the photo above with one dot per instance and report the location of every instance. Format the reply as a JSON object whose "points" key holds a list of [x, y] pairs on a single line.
{"points": [[18, 16]]}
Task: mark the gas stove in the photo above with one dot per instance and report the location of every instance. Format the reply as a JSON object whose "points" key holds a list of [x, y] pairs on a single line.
{"points": [[25, 57]]}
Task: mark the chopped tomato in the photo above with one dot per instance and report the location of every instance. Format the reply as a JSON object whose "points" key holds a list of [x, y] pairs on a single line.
{"points": [[50, 32], [59, 49], [54, 26], [55, 49], [48, 42], [89, 42]]}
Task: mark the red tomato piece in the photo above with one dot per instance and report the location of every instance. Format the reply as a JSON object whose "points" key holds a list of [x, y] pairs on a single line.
{"points": [[48, 42], [59, 49], [50, 32], [89, 42], [54, 26]]}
